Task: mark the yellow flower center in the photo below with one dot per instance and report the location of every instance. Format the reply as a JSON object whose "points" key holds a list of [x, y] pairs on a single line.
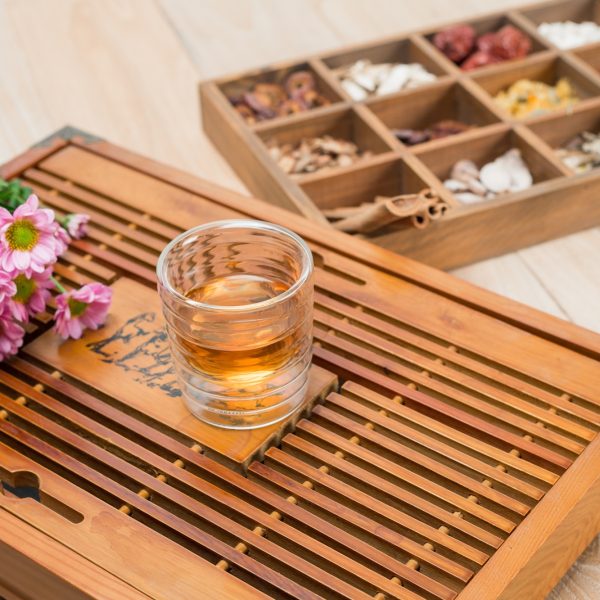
{"points": [[77, 308], [25, 288], [22, 235]]}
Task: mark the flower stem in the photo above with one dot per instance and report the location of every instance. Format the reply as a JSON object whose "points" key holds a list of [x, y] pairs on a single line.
{"points": [[58, 286]]}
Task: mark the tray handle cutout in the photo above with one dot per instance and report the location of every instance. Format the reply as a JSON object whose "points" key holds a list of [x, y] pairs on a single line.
{"points": [[25, 485]]}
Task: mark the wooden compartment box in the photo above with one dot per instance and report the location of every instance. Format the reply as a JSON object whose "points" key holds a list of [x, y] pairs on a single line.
{"points": [[559, 202]]}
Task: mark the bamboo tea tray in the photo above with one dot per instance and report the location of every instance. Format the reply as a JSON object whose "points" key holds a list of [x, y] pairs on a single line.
{"points": [[451, 450], [559, 202]]}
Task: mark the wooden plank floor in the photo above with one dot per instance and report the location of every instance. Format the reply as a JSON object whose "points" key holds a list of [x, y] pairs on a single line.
{"points": [[127, 71]]}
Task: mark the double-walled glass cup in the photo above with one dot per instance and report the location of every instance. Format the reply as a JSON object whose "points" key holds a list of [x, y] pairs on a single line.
{"points": [[237, 298]]}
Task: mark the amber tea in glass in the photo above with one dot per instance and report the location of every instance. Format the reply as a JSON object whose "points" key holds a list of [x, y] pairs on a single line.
{"points": [[237, 298]]}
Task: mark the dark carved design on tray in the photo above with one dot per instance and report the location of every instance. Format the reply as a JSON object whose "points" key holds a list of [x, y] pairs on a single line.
{"points": [[141, 345]]}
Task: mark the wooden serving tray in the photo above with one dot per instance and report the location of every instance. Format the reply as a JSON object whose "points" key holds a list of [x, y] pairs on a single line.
{"points": [[558, 203], [453, 452]]}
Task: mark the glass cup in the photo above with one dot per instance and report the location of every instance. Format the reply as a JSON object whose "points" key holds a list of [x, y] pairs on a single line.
{"points": [[237, 297]]}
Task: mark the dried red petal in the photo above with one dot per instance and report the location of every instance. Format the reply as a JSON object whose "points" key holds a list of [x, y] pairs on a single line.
{"points": [[455, 42]]}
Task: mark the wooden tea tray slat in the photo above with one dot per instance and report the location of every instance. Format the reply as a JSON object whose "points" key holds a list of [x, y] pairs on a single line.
{"points": [[452, 452], [416, 361], [560, 201]]}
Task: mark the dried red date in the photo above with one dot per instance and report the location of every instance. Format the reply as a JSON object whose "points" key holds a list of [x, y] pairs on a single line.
{"points": [[510, 43], [455, 42], [458, 43]]}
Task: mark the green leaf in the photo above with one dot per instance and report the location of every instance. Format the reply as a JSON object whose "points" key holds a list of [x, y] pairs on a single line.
{"points": [[13, 194]]}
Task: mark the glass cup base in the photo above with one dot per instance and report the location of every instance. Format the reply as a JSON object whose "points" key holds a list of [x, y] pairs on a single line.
{"points": [[203, 407]]}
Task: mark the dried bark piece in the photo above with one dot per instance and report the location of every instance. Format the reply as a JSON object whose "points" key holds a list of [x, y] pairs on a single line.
{"points": [[416, 209]]}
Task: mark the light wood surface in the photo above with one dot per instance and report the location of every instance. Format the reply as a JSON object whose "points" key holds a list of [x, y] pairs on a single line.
{"points": [[127, 70]]}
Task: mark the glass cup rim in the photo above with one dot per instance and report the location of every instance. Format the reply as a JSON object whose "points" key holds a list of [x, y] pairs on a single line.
{"points": [[307, 263]]}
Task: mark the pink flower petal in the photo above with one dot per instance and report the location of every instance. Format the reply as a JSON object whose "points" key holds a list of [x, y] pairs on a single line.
{"points": [[43, 254], [5, 217], [21, 259]]}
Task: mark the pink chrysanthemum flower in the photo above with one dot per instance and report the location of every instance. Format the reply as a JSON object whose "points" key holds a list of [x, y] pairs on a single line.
{"points": [[77, 225], [61, 239], [7, 287], [11, 335], [32, 293], [81, 309], [27, 237]]}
